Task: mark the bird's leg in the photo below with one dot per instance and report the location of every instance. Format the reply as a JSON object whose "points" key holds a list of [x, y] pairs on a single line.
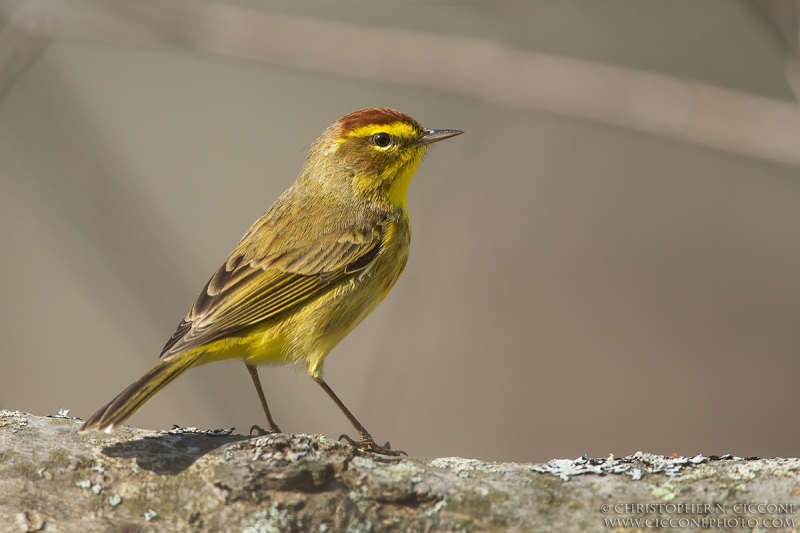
{"points": [[365, 441], [273, 427]]}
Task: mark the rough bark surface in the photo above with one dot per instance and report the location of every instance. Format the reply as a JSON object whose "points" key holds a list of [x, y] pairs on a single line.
{"points": [[54, 479]]}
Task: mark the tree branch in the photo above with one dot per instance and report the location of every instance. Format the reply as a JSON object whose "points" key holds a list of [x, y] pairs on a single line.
{"points": [[52, 478]]}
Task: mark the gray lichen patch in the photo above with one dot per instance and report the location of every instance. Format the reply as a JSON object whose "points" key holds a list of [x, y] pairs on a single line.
{"points": [[635, 466], [13, 420]]}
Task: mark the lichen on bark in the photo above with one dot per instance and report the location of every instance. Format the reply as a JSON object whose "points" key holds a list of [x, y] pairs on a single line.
{"points": [[53, 478]]}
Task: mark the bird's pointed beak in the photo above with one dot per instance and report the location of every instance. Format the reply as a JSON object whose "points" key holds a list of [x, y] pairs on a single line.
{"points": [[432, 136]]}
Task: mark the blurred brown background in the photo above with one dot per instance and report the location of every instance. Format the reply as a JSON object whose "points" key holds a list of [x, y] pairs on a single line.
{"points": [[608, 261]]}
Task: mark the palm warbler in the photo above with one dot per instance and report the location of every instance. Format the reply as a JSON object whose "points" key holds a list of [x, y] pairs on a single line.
{"points": [[309, 270]]}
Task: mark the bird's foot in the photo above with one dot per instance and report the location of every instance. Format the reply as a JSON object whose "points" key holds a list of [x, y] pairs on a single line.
{"points": [[367, 444], [261, 431]]}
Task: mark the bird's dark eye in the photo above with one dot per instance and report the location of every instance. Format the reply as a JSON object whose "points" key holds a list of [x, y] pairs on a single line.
{"points": [[382, 139]]}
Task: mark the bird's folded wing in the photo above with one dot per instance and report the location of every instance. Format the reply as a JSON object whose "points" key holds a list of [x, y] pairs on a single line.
{"points": [[252, 287]]}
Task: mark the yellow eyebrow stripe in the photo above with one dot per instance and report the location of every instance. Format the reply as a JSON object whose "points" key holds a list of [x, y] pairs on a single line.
{"points": [[398, 129]]}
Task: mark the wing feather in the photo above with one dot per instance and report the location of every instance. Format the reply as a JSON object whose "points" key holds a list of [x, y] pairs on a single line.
{"points": [[249, 289]]}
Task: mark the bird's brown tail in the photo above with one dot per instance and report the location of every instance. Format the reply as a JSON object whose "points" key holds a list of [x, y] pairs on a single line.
{"points": [[134, 397]]}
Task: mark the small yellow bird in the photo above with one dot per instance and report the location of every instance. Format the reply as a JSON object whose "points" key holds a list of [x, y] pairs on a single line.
{"points": [[309, 270]]}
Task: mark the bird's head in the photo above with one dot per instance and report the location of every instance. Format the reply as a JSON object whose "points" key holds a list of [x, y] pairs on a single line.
{"points": [[379, 149]]}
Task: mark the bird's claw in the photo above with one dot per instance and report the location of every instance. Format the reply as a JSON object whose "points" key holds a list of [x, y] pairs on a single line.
{"points": [[367, 444], [262, 431]]}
